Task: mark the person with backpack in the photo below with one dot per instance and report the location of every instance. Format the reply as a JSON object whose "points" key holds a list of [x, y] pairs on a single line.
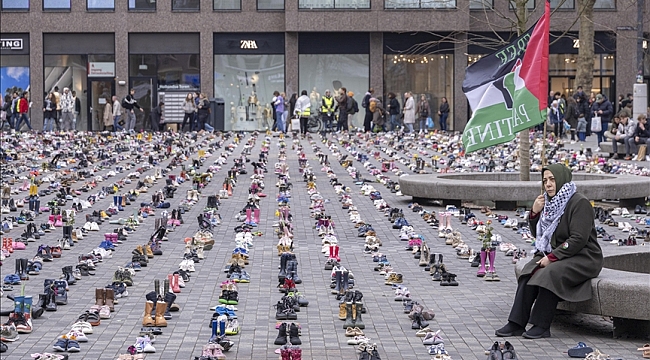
{"points": [[343, 104], [378, 115], [365, 103], [129, 104]]}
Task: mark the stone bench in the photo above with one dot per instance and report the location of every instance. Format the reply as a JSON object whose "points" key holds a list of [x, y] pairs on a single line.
{"points": [[506, 190], [621, 291], [606, 147]]}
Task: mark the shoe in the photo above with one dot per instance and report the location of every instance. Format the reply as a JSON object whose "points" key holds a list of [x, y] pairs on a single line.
{"points": [[537, 332], [510, 329], [580, 350]]}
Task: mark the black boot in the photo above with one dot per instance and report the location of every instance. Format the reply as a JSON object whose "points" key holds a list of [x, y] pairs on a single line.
{"points": [[39, 307], [283, 267], [23, 269], [67, 272], [282, 335], [293, 335], [169, 299]]}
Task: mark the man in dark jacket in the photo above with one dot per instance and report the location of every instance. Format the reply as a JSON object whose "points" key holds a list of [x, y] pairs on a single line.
{"points": [[602, 107], [130, 104], [365, 103], [641, 136]]}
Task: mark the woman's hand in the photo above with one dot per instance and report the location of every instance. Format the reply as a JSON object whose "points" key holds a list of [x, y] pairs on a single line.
{"points": [[538, 205], [543, 262]]}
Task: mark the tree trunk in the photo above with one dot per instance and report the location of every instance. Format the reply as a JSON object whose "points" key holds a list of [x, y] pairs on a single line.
{"points": [[524, 135], [585, 65]]}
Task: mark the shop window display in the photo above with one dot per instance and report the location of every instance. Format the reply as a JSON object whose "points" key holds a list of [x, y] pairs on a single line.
{"points": [[14, 74], [429, 75], [246, 83], [318, 72]]}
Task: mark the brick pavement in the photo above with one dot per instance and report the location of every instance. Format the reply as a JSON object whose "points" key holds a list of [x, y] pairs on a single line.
{"points": [[467, 315]]}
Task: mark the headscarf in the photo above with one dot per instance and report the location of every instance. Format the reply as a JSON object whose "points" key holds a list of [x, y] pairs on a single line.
{"points": [[554, 205]]}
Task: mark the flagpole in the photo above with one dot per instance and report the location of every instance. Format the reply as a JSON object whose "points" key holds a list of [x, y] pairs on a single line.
{"points": [[544, 145]]}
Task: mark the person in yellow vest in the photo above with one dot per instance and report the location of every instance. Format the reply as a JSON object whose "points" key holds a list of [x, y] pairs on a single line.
{"points": [[303, 106], [327, 110]]}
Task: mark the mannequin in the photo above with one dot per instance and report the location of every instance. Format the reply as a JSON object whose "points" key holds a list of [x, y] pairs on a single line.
{"points": [[267, 114], [314, 99], [252, 107]]}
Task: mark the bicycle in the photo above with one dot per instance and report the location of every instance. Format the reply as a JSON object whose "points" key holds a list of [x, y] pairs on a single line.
{"points": [[314, 123]]}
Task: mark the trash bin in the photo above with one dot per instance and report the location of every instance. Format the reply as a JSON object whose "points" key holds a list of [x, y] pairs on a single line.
{"points": [[218, 113]]}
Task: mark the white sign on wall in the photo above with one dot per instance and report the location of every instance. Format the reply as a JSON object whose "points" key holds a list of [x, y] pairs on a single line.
{"points": [[11, 44], [101, 69]]}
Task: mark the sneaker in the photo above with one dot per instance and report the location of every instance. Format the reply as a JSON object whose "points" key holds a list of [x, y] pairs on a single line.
{"points": [[61, 345], [8, 333], [73, 346]]}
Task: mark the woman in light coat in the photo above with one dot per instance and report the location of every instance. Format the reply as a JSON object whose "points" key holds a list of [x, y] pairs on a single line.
{"points": [[108, 116], [409, 111]]}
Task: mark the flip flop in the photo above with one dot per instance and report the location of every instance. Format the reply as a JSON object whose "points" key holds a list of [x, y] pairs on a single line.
{"points": [[580, 351]]}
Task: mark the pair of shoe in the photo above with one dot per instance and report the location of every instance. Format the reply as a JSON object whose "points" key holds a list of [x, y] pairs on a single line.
{"points": [[70, 345], [512, 329], [499, 352]]}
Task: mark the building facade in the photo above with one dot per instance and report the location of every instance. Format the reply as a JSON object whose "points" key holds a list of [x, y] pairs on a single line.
{"points": [[243, 50]]}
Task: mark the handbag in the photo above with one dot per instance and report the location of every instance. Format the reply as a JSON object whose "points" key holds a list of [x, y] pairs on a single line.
{"points": [[596, 125], [295, 124], [430, 122]]}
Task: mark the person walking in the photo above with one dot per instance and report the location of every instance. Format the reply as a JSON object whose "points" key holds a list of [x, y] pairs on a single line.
{"points": [[129, 105], [156, 116], [22, 105], [57, 96], [571, 116], [77, 110], [303, 109], [278, 104], [343, 103], [602, 107], [409, 111], [189, 108], [365, 103], [67, 110], [117, 114], [393, 111], [49, 112], [443, 113], [108, 115], [424, 110]]}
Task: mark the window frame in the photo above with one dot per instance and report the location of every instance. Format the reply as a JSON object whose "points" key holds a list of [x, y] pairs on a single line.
{"points": [[300, 8], [571, 8], [605, 8], [226, 10], [27, 9], [512, 8], [68, 9], [89, 9], [419, 7], [284, 6], [490, 7], [155, 8], [186, 10]]}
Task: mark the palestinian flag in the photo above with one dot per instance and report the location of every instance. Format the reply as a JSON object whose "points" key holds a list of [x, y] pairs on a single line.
{"points": [[507, 90]]}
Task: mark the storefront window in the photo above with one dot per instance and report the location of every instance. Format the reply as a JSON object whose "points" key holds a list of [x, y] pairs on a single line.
{"points": [[101, 4], [270, 4], [186, 5], [334, 4], [563, 68], [15, 5], [318, 73], [227, 5], [67, 71], [14, 74], [246, 83], [429, 75], [142, 5], [419, 4], [56, 4], [173, 72]]}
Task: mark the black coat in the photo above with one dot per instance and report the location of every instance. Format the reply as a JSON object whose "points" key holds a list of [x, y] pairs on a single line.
{"points": [[606, 107], [393, 109]]}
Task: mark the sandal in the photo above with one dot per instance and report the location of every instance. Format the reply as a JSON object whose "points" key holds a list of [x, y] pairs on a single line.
{"points": [[646, 351]]}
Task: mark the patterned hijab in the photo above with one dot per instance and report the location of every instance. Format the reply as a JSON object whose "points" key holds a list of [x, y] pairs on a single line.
{"points": [[554, 206]]}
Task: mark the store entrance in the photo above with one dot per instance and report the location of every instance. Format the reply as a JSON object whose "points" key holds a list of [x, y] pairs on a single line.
{"points": [[100, 90], [146, 95]]}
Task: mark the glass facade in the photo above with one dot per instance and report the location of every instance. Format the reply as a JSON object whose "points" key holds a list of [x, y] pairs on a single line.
{"points": [[56, 5], [563, 68], [270, 4], [142, 5], [246, 83], [334, 4], [173, 72], [101, 4], [186, 5], [429, 75], [419, 4], [317, 73], [227, 5], [15, 5], [605, 4]]}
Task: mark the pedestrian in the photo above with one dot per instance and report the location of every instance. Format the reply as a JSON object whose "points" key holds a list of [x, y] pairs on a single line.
{"points": [[22, 106], [67, 110], [443, 112], [378, 115], [409, 111], [327, 110], [393, 111], [77, 110], [303, 109], [203, 111], [567, 256], [285, 114], [365, 103], [424, 110], [556, 119], [344, 104], [353, 109], [108, 115], [189, 108], [582, 129], [279, 111], [15, 114], [603, 108], [640, 136], [155, 117], [129, 105], [117, 115], [571, 116], [49, 112], [57, 95]]}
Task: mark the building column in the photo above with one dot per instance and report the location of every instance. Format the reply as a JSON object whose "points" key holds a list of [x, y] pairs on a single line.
{"points": [[36, 78], [291, 63], [377, 63], [121, 61], [207, 64], [626, 66], [459, 103]]}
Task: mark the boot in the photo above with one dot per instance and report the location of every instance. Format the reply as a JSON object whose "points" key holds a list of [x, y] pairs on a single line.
{"points": [[100, 295], [342, 311], [25, 326], [115, 201], [283, 267], [37, 206], [69, 277], [345, 281], [481, 270], [248, 216], [109, 298], [223, 319], [336, 253], [357, 316], [256, 216], [293, 335], [21, 269], [282, 335], [214, 325], [148, 321], [338, 275], [169, 300], [491, 256], [160, 321], [349, 321], [296, 353], [175, 287], [18, 304], [39, 308]]}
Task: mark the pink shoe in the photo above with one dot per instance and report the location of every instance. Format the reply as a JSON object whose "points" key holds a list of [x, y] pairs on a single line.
{"points": [[17, 245], [50, 220]]}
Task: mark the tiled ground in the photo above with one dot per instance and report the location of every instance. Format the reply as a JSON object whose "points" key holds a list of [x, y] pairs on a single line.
{"points": [[467, 314]]}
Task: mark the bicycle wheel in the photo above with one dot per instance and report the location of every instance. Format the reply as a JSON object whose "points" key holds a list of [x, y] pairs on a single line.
{"points": [[314, 125]]}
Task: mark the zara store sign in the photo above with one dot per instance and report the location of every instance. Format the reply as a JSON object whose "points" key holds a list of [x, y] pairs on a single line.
{"points": [[11, 44]]}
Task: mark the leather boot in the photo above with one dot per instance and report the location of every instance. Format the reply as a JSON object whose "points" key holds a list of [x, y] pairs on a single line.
{"points": [[39, 307], [147, 320], [281, 339], [169, 300], [160, 321], [109, 298], [357, 316], [293, 335], [283, 267], [349, 321], [100, 294], [174, 283], [342, 311]]}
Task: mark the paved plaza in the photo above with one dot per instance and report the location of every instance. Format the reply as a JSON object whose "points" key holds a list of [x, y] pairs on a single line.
{"points": [[467, 315]]}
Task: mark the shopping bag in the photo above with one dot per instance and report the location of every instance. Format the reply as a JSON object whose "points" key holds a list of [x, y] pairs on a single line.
{"points": [[596, 124], [295, 124], [640, 156], [430, 124]]}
